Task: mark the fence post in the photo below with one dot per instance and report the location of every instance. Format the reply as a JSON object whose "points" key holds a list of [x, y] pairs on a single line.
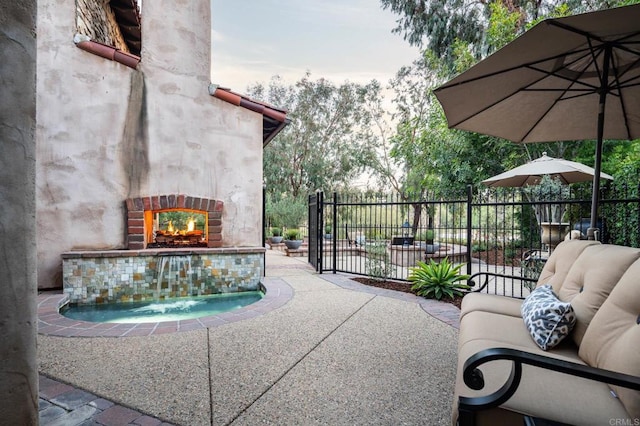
{"points": [[320, 230], [264, 228], [310, 222], [469, 224], [334, 233]]}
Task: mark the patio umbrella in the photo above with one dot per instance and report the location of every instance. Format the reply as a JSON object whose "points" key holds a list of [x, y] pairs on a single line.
{"points": [[531, 173], [565, 79]]}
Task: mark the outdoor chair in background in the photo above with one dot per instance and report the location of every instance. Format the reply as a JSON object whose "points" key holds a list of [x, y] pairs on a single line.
{"points": [[533, 260]]}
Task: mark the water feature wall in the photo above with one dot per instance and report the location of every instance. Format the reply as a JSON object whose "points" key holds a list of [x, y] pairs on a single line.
{"points": [[146, 275]]}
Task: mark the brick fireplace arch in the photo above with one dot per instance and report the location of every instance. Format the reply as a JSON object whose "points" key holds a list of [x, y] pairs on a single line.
{"points": [[140, 213]]}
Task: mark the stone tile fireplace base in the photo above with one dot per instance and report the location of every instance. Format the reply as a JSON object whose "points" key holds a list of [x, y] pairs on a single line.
{"points": [[147, 275]]}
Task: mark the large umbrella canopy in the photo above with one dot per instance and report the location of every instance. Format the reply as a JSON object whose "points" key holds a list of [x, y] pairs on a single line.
{"points": [[565, 79], [531, 173]]}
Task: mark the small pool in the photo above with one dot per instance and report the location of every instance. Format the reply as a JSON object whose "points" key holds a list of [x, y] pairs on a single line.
{"points": [[169, 310]]}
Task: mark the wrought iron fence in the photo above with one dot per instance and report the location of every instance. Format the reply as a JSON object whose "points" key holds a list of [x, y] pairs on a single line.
{"points": [[505, 231]]}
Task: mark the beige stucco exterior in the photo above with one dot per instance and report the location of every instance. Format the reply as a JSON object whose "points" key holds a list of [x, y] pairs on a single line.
{"points": [[18, 292], [106, 132]]}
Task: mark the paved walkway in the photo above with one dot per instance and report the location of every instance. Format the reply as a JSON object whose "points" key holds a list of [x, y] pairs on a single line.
{"points": [[323, 349]]}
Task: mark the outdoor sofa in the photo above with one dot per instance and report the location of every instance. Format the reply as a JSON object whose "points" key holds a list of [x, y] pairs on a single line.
{"points": [[590, 378]]}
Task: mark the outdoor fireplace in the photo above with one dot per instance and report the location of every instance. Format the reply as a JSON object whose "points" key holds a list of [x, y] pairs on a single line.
{"points": [[198, 222], [177, 268]]}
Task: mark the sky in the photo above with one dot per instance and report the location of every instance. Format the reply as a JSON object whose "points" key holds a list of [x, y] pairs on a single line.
{"points": [[253, 40]]}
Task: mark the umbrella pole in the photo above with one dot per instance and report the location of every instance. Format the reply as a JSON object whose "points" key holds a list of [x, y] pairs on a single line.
{"points": [[595, 198]]}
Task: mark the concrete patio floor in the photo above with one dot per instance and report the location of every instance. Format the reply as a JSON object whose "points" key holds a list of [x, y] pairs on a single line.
{"points": [[334, 352]]}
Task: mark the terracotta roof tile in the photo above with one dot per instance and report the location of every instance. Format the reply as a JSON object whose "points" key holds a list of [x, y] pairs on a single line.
{"points": [[109, 52]]}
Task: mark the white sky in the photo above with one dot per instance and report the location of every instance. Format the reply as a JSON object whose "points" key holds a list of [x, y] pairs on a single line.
{"points": [[252, 40]]}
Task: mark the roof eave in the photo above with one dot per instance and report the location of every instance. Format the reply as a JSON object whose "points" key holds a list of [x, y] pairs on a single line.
{"points": [[275, 132], [269, 113]]}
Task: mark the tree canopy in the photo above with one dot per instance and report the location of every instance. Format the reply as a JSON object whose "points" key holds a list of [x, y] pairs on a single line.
{"points": [[437, 25], [441, 160], [324, 146], [340, 132]]}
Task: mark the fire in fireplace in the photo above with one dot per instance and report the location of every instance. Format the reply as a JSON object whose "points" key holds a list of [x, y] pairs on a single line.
{"points": [[173, 221], [178, 228]]}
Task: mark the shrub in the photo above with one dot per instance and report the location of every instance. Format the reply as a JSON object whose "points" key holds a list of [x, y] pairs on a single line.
{"points": [[429, 235], [479, 246], [436, 280], [377, 264], [286, 212], [276, 232], [292, 234]]}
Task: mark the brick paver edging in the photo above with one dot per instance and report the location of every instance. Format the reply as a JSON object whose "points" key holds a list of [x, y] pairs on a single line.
{"points": [[62, 404], [51, 322]]}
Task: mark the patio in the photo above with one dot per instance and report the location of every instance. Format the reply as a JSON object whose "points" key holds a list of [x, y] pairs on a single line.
{"points": [[337, 352]]}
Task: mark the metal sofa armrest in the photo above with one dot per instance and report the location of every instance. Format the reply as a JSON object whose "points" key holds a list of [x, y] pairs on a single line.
{"points": [[471, 280], [474, 379]]}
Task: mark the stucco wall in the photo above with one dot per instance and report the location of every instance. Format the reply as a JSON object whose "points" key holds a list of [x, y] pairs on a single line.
{"points": [[106, 133], [18, 299]]}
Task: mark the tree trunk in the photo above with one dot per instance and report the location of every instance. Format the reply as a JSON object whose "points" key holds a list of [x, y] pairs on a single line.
{"points": [[417, 213]]}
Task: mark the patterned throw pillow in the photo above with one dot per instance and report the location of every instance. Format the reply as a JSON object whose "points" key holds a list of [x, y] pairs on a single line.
{"points": [[548, 319]]}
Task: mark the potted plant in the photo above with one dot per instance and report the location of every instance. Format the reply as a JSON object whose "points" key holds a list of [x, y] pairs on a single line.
{"points": [[327, 231], [276, 236], [436, 280], [292, 239], [430, 247]]}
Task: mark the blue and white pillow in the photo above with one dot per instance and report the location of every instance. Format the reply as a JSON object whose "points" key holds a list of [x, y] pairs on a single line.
{"points": [[548, 319]]}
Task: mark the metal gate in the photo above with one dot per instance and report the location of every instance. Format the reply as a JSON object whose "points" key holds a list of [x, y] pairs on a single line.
{"points": [[493, 228], [315, 230]]}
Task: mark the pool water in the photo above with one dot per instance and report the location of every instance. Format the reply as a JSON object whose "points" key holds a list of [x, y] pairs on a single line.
{"points": [[169, 310]]}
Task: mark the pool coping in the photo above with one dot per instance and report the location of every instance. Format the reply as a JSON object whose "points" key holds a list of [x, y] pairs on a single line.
{"points": [[52, 323]]}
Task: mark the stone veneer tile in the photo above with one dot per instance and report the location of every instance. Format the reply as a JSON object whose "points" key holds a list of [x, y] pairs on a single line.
{"points": [[133, 277]]}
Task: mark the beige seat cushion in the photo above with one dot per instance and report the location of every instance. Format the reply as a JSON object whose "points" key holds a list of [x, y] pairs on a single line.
{"points": [[554, 273], [543, 393], [490, 303], [506, 330], [590, 280], [559, 263], [612, 340]]}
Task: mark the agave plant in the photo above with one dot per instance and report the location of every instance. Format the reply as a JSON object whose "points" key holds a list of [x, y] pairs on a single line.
{"points": [[437, 280]]}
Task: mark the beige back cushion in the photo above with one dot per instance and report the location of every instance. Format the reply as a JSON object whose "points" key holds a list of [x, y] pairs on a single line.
{"points": [[612, 340], [590, 280], [557, 266]]}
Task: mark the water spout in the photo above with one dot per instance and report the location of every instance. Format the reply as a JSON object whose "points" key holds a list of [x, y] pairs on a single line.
{"points": [[174, 267]]}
